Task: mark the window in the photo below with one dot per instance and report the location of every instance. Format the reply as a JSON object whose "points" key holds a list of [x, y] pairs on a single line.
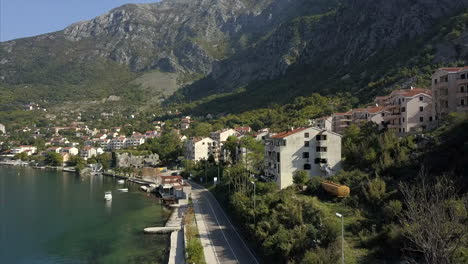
{"points": [[383, 114], [320, 137], [435, 81], [463, 76], [307, 166], [402, 99], [306, 135], [321, 149], [462, 102], [421, 109], [317, 161], [403, 130], [399, 100], [403, 109], [278, 157], [305, 155], [399, 130], [430, 119], [323, 161], [421, 98], [306, 143], [462, 89], [382, 123], [421, 119]]}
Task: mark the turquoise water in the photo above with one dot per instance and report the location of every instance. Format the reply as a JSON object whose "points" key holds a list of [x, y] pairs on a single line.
{"points": [[54, 217]]}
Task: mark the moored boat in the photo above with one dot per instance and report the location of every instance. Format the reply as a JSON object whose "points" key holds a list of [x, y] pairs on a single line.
{"points": [[108, 196], [123, 190]]}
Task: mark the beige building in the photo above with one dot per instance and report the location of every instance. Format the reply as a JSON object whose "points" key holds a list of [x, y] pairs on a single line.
{"points": [[450, 91], [410, 110], [310, 149], [197, 149]]}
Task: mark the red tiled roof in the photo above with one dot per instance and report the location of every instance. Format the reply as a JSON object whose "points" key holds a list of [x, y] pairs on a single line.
{"points": [[415, 91], [375, 109], [454, 69], [288, 133], [340, 114]]}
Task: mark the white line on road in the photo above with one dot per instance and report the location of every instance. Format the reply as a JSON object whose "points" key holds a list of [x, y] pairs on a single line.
{"points": [[224, 235]]}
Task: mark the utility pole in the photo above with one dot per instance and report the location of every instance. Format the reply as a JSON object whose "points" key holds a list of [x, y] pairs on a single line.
{"points": [[255, 212], [342, 237]]}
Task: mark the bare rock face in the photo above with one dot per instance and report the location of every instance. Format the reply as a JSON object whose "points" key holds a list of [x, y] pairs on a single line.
{"points": [[233, 42]]}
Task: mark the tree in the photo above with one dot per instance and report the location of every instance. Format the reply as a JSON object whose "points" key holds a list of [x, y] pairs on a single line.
{"points": [[22, 156], [434, 220], [54, 159], [300, 177]]}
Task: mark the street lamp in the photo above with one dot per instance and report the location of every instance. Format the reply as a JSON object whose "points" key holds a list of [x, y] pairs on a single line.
{"points": [[255, 213], [342, 238]]}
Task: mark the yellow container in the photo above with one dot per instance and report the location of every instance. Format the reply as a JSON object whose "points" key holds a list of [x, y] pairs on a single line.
{"points": [[336, 189]]}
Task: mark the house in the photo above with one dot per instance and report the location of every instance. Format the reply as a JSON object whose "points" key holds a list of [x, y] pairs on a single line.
{"points": [[450, 91], [70, 150], [2, 129], [88, 152], [341, 121], [410, 110], [103, 143], [101, 136], [185, 123], [54, 149], [24, 149], [243, 130], [151, 134], [262, 134], [376, 114], [222, 135], [174, 187], [311, 149], [197, 149]]}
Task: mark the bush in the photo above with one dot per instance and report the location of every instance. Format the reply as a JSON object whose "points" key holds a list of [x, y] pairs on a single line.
{"points": [[314, 186], [300, 177]]}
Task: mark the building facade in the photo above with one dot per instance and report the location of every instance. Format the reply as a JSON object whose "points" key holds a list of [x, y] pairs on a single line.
{"points": [[450, 91], [310, 149], [197, 149]]}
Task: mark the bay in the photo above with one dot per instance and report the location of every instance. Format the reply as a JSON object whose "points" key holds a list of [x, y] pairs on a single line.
{"points": [[48, 216]]}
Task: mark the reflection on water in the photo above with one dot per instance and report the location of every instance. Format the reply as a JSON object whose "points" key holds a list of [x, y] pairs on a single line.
{"points": [[53, 217]]}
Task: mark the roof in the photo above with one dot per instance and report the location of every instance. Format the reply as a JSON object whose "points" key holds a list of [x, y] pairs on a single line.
{"points": [[454, 69], [415, 91], [375, 109], [288, 133], [340, 114]]}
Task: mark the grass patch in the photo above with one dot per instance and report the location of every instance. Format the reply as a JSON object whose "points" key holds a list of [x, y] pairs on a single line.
{"points": [[194, 248]]}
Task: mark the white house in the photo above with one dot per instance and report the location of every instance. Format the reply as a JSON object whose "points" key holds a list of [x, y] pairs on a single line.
{"points": [[54, 149], [24, 149], [197, 149], [70, 150], [135, 141], [222, 135], [311, 149], [117, 143], [88, 152]]}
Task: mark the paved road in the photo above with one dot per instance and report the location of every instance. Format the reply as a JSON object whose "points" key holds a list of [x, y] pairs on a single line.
{"points": [[221, 241]]}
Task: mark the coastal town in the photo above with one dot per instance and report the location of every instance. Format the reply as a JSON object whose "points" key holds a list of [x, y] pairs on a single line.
{"points": [[312, 151]]}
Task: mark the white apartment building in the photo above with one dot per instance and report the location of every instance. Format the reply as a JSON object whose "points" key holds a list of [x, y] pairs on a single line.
{"points": [[222, 135], [197, 149], [2, 128], [410, 110], [310, 149], [70, 150], [54, 149], [135, 141], [450, 91], [88, 152], [325, 123], [117, 143]]}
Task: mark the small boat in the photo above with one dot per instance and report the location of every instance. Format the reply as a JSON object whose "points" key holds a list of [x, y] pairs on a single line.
{"points": [[121, 181], [108, 196], [123, 190]]}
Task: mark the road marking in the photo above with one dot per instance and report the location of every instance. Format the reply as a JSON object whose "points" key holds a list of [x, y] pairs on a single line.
{"points": [[224, 235], [237, 233], [206, 230]]}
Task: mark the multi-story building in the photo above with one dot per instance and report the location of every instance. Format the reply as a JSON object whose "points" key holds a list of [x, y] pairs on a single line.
{"points": [[197, 149], [135, 140], [341, 121], [88, 152], [325, 123], [222, 135], [54, 149], [2, 129], [410, 110], [310, 149], [376, 114], [117, 143], [450, 91], [70, 150]]}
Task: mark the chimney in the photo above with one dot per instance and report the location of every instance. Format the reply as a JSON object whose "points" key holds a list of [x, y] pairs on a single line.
{"points": [[411, 88], [292, 128], [376, 104]]}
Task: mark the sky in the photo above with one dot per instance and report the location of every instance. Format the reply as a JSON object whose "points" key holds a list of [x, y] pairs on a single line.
{"points": [[25, 18]]}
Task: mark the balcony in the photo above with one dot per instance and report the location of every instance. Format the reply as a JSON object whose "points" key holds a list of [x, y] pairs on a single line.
{"points": [[321, 155], [441, 85], [462, 81], [461, 95], [394, 125]]}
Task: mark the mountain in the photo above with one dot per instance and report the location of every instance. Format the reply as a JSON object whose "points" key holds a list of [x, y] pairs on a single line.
{"points": [[264, 50]]}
